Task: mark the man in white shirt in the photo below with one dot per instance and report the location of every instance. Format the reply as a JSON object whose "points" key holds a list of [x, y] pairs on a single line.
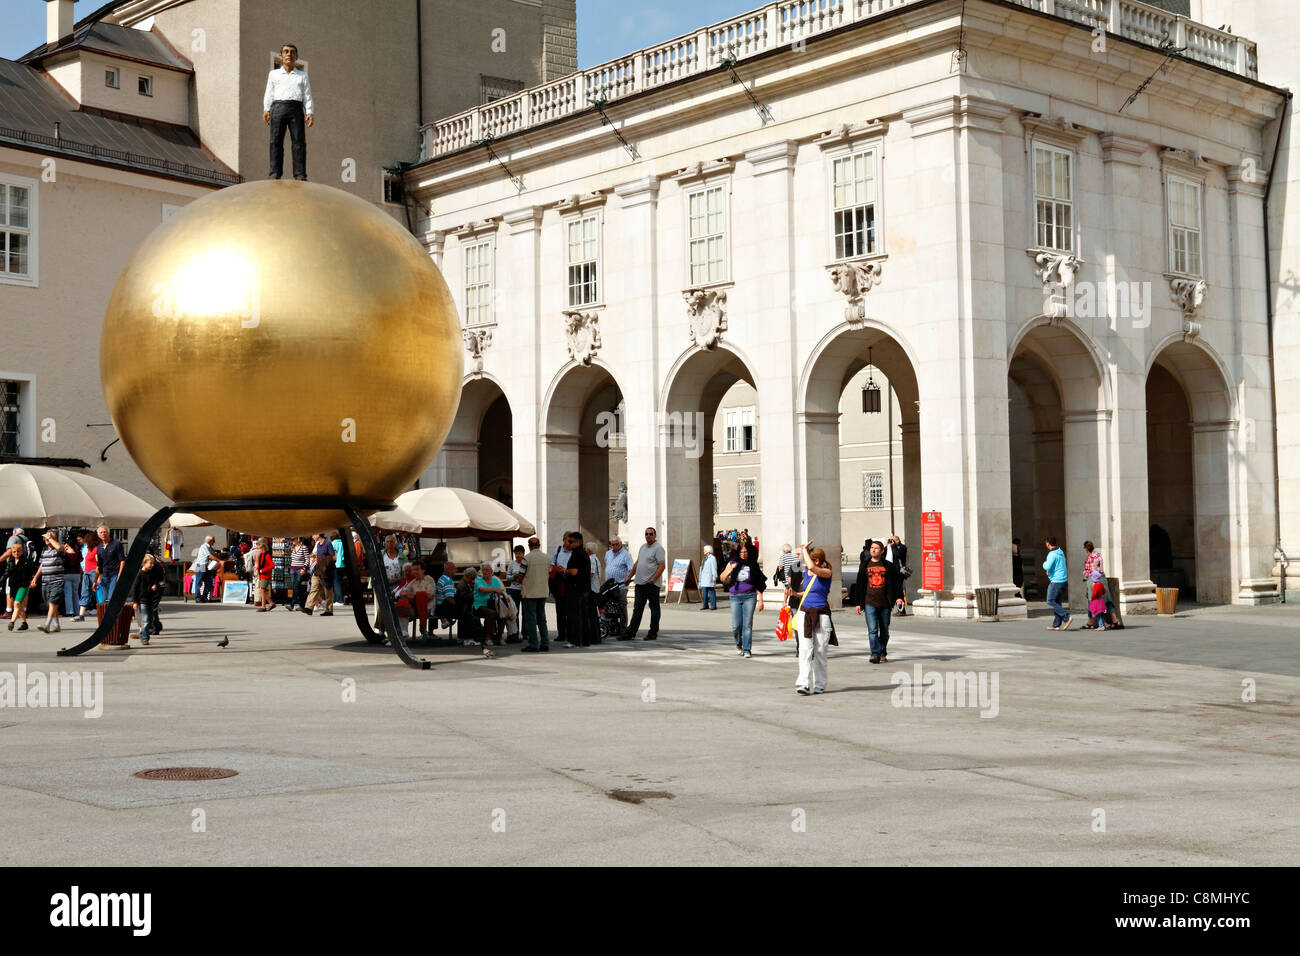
{"points": [[618, 563], [287, 99]]}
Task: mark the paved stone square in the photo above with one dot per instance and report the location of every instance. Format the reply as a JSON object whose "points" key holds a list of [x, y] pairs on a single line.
{"points": [[670, 752]]}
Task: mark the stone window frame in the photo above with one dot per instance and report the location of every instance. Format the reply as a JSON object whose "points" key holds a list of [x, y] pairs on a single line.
{"points": [[1072, 156], [31, 278], [703, 186], [740, 495], [581, 215], [26, 429], [867, 490], [1055, 133], [739, 411], [847, 149], [482, 242], [1187, 178]]}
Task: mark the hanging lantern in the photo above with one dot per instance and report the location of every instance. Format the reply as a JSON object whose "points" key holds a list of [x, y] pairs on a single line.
{"points": [[870, 391]]}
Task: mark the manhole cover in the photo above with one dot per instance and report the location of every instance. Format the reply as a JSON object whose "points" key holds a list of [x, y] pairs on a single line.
{"points": [[640, 796], [186, 773]]}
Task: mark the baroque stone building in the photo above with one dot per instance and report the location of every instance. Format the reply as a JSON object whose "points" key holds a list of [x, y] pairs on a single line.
{"points": [[1041, 220]]}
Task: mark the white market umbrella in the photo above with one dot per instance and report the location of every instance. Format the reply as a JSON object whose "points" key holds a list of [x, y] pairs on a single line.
{"points": [[38, 496], [461, 513], [184, 519], [395, 520]]}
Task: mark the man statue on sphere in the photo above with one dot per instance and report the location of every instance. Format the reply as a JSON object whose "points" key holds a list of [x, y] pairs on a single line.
{"points": [[285, 104]]}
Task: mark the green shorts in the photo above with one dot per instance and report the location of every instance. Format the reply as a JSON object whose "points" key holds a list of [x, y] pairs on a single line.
{"points": [[20, 595]]}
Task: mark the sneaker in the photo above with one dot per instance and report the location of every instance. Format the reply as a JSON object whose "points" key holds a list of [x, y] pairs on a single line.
{"points": [[802, 691], [819, 690], [874, 659], [884, 659], [55, 629], [22, 626], [79, 618], [470, 642], [327, 614], [569, 644], [11, 625], [747, 654], [42, 628], [305, 610], [739, 651], [144, 642]]}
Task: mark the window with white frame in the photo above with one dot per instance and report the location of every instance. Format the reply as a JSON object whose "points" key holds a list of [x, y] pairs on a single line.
{"points": [[584, 260], [112, 78], [748, 488], [1053, 198], [10, 416], [478, 283], [854, 204], [707, 234], [1184, 225], [17, 229], [738, 429], [145, 85], [873, 489]]}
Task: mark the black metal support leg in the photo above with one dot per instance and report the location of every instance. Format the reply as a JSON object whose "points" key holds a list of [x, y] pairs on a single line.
{"points": [[387, 611], [354, 582], [122, 589]]}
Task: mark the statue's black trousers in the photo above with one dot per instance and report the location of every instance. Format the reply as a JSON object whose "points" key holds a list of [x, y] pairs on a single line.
{"points": [[288, 114]]}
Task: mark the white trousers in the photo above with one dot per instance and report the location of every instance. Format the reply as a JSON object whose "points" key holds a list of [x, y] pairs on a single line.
{"points": [[812, 652]]}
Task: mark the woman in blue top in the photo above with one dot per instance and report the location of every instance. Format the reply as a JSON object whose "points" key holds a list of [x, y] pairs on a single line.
{"points": [[709, 581], [1057, 576], [814, 630], [486, 588], [745, 584]]}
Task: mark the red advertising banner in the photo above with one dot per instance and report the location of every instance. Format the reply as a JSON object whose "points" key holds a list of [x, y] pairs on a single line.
{"points": [[932, 570], [932, 551], [932, 531]]}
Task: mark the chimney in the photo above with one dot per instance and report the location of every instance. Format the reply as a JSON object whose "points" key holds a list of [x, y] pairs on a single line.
{"points": [[58, 19]]}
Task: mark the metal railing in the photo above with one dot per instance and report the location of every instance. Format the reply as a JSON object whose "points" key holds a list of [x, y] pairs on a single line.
{"points": [[782, 24], [73, 149]]}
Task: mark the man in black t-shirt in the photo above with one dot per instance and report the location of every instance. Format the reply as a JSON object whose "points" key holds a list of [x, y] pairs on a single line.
{"points": [[877, 588]]}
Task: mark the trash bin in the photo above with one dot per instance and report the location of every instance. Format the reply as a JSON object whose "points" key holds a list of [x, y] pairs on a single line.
{"points": [[1166, 601], [986, 602]]}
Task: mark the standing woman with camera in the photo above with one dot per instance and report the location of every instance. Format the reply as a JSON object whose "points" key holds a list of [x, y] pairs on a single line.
{"points": [[815, 629]]}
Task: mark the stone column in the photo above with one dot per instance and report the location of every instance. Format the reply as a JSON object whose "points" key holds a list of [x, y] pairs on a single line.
{"points": [[456, 466], [963, 377], [1127, 543], [521, 354], [771, 261], [1083, 436], [638, 316], [910, 434]]}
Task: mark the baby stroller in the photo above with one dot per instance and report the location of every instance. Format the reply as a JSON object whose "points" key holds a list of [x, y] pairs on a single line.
{"points": [[611, 607]]}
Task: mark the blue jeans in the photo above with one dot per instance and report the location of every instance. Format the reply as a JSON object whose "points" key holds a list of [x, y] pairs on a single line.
{"points": [[742, 619], [297, 579], [71, 591], [87, 591], [534, 618], [148, 620], [877, 629], [106, 584], [338, 584], [1054, 592], [710, 597]]}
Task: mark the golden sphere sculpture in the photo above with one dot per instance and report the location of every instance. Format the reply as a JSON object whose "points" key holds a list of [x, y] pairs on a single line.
{"points": [[281, 340]]}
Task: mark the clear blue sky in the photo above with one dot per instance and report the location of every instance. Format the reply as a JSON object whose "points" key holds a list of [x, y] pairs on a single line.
{"points": [[606, 28]]}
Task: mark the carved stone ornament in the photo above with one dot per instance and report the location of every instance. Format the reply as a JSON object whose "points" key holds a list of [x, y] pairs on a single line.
{"points": [[1188, 295], [1056, 271], [708, 313], [1191, 330], [854, 280], [582, 329], [477, 341]]}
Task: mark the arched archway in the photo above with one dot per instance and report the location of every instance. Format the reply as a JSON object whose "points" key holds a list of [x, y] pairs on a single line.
{"points": [[584, 453], [478, 452], [1058, 421], [834, 365], [1190, 429], [709, 435]]}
